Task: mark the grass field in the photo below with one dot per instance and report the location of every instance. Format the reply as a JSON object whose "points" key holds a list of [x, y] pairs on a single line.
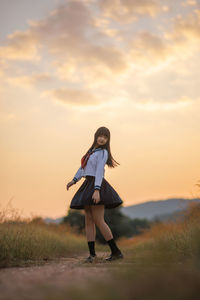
{"points": [[161, 263]]}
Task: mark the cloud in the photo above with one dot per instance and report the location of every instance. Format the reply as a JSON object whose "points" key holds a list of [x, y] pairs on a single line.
{"points": [[20, 46], [126, 11], [186, 29], [82, 46], [32, 80], [68, 35], [189, 3], [152, 105], [181, 42], [72, 96], [105, 26], [177, 80], [148, 48]]}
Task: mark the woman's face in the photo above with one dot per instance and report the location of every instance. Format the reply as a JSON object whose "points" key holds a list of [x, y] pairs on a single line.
{"points": [[102, 140]]}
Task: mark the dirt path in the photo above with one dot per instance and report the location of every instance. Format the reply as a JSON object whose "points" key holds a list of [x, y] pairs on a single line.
{"points": [[30, 282]]}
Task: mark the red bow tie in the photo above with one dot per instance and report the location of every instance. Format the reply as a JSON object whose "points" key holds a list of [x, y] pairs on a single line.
{"points": [[85, 157]]}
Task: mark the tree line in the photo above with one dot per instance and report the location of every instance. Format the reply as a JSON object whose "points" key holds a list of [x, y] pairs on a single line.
{"points": [[120, 224]]}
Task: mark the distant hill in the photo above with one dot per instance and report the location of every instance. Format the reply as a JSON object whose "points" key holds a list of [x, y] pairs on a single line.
{"points": [[164, 210], [172, 217], [161, 209]]}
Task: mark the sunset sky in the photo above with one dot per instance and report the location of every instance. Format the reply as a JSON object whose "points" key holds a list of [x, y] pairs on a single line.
{"points": [[69, 67]]}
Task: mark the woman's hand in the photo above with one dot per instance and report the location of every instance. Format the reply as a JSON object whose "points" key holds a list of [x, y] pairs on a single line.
{"points": [[96, 196], [69, 184]]}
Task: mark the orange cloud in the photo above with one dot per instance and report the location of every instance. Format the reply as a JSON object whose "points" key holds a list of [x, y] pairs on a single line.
{"points": [[126, 11], [33, 80], [148, 48], [68, 34], [20, 46], [189, 3], [152, 105], [187, 28], [82, 51], [73, 96]]}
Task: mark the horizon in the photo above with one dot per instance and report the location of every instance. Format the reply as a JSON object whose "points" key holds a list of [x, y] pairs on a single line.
{"points": [[148, 201]]}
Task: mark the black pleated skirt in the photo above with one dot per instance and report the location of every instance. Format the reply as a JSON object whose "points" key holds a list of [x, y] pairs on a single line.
{"points": [[108, 196]]}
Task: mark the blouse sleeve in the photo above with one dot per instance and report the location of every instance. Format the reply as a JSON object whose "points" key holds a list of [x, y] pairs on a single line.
{"points": [[78, 175], [101, 161]]}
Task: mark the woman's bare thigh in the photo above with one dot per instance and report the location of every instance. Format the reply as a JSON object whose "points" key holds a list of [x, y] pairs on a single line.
{"points": [[88, 211], [97, 212]]}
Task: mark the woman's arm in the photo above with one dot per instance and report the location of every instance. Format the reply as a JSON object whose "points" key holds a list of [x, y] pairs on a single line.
{"points": [[101, 161], [78, 175]]}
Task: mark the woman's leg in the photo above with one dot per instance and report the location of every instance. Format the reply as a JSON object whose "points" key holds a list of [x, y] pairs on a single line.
{"points": [[98, 217], [90, 232], [89, 224]]}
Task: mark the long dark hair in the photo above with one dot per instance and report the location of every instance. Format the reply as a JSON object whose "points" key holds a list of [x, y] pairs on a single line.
{"points": [[111, 162]]}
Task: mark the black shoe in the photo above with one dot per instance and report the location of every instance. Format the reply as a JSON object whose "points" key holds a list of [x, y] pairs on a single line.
{"points": [[90, 258], [114, 256]]}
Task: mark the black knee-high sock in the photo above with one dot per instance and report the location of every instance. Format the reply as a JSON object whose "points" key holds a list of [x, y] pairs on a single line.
{"points": [[113, 247], [91, 245]]}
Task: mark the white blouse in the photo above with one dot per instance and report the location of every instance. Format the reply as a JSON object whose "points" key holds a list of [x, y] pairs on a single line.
{"points": [[95, 167]]}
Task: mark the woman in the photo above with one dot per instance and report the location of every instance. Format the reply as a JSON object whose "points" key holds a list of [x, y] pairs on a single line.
{"points": [[96, 194]]}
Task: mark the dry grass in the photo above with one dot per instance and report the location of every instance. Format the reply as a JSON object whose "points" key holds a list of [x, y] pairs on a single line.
{"points": [[27, 240], [169, 242]]}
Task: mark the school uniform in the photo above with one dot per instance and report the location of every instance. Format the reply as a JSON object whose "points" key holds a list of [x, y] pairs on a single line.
{"points": [[94, 172]]}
